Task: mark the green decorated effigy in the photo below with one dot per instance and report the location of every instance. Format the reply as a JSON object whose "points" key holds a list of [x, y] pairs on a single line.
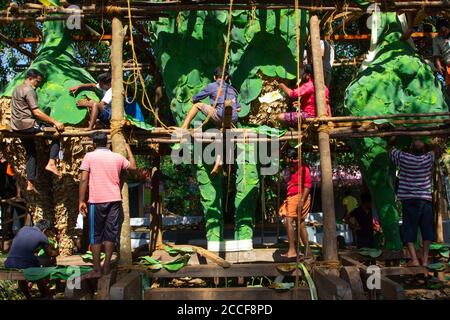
{"points": [[394, 80], [189, 46]]}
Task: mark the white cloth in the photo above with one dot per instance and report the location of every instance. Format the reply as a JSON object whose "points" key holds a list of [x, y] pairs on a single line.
{"points": [[441, 48], [107, 95]]}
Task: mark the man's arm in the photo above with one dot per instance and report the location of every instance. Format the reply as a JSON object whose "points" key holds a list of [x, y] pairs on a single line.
{"points": [[84, 182], [74, 89], [204, 93], [91, 103], [303, 198], [132, 165], [44, 117], [438, 64], [285, 89], [50, 250], [437, 56]]}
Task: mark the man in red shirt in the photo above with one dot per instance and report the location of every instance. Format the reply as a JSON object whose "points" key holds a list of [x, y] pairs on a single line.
{"points": [[101, 170], [307, 94], [298, 202]]}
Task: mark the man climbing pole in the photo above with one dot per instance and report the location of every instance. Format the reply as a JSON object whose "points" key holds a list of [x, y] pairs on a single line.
{"points": [[214, 91], [24, 115], [306, 91], [101, 170]]}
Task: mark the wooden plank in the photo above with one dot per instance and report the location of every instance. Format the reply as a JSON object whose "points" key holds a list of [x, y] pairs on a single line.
{"points": [[128, 287], [331, 287], [226, 294], [104, 285], [353, 277], [211, 271], [212, 256], [11, 275], [386, 255], [390, 289], [76, 260], [396, 271]]}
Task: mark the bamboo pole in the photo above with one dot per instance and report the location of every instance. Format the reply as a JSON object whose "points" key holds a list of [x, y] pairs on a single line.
{"points": [[117, 138], [329, 219], [156, 242]]}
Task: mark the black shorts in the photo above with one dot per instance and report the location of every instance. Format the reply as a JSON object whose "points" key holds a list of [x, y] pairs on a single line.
{"points": [[105, 221], [417, 214]]}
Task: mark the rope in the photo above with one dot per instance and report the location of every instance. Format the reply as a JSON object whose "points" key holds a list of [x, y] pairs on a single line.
{"points": [[329, 264], [116, 127], [112, 10], [299, 128], [137, 72]]}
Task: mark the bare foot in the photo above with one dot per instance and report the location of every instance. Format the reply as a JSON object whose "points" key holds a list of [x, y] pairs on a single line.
{"points": [[31, 188], [216, 169], [413, 263], [290, 255], [52, 168]]}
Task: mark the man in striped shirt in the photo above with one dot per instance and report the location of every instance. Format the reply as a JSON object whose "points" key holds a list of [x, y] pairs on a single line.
{"points": [[414, 191]]}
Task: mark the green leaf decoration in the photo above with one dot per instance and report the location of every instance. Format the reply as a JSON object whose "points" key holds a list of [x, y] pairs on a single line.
{"points": [[250, 89], [438, 266], [245, 109], [370, 252], [88, 256], [177, 264], [439, 246], [309, 279], [171, 250], [194, 79]]}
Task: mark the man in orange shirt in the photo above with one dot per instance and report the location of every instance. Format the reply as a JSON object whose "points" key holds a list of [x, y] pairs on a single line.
{"points": [[298, 202]]}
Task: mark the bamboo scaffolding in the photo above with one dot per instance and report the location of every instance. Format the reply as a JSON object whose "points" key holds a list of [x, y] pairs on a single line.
{"points": [[338, 126], [153, 10]]}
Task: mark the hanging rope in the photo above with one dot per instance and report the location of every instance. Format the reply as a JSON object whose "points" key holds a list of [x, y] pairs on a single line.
{"points": [[299, 129]]}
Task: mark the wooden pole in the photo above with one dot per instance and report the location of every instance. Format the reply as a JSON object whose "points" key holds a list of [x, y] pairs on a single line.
{"points": [[156, 241], [117, 138], [329, 221]]}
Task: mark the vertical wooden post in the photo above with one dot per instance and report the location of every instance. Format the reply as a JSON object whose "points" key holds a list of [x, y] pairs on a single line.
{"points": [[440, 204], [329, 220], [156, 205], [117, 138]]}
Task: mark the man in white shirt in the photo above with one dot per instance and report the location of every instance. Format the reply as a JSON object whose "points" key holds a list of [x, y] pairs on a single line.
{"points": [[441, 50], [99, 110]]}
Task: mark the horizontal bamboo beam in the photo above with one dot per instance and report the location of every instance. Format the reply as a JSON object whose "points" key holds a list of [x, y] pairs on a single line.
{"points": [[359, 37], [152, 10], [379, 117]]}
